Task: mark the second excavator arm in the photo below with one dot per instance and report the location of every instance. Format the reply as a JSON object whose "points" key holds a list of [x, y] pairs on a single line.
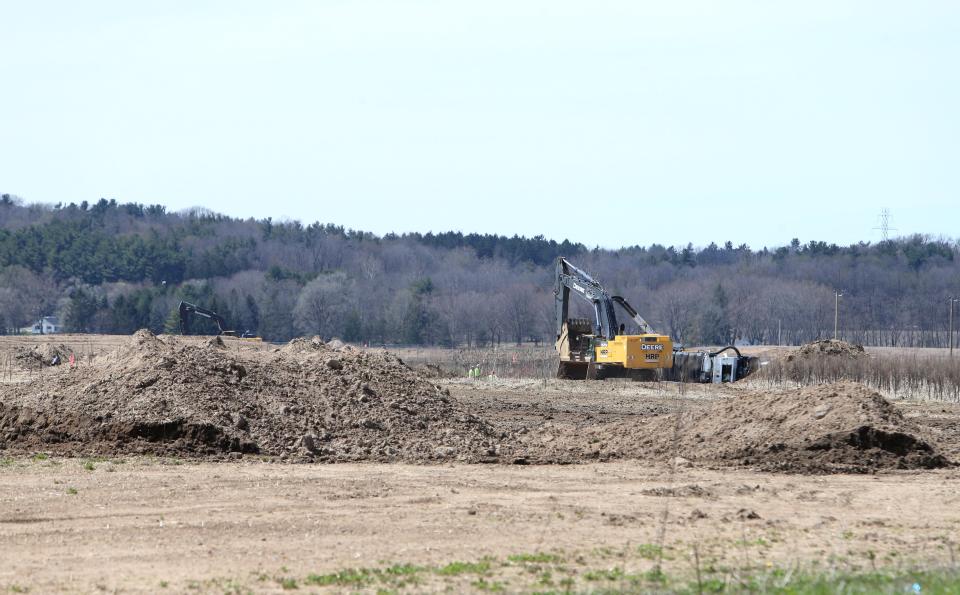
{"points": [[186, 309], [640, 322]]}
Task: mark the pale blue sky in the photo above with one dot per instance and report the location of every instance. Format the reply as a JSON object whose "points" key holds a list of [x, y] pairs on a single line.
{"points": [[609, 123]]}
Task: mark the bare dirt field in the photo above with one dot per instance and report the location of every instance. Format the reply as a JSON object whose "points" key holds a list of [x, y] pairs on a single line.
{"points": [[171, 465], [143, 524]]}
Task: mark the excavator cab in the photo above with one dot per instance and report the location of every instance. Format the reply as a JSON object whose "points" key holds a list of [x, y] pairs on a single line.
{"points": [[636, 352]]}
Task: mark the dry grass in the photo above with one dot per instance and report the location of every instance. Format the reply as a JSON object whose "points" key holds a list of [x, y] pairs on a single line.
{"points": [[525, 361], [902, 376], [906, 374]]}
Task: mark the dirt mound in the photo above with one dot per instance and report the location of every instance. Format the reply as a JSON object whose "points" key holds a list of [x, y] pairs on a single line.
{"points": [[843, 427], [434, 371], [216, 343], [46, 354], [171, 396], [302, 345], [829, 348], [685, 491], [308, 401]]}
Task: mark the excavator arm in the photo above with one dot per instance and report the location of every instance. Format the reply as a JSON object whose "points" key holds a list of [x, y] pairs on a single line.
{"points": [[187, 310], [570, 278]]}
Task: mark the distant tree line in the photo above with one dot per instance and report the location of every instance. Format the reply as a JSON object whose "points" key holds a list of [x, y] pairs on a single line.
{"points": [[107, 267]]}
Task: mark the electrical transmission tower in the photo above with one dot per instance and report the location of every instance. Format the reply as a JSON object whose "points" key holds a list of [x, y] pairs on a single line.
{"points": [[884, 226]]}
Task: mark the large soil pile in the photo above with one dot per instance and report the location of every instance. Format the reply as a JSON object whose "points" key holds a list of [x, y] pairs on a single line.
{"points": [[310, 401], [304, 400], [44, 354], [829, 348], [843, 427]]}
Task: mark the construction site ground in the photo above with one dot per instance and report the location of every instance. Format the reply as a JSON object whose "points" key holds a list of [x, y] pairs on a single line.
{"points": [[260, 523], [139, 525]]}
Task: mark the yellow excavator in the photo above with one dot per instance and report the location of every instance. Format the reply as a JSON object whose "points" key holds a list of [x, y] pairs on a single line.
{"points": [[599, 348]]}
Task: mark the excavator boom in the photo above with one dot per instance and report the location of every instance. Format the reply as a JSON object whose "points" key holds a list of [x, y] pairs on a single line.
{"points": [[187, 310]]}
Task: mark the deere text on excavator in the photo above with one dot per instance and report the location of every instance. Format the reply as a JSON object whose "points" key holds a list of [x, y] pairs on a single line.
{"points": [[599, 348]]}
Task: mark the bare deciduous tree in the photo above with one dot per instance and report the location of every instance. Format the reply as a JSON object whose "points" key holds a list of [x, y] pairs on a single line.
{"points": [[321, 305]]}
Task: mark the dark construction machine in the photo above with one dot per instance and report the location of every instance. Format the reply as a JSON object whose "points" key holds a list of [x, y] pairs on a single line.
{"points": [[599, 348], [188, 310]]}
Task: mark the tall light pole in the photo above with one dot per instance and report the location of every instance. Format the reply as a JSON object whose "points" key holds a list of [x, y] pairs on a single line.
{"points": [[836, 311]]}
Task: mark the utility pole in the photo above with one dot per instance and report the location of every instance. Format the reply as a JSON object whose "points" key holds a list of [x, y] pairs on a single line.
{"points": [[836, 311], [952, 301]]}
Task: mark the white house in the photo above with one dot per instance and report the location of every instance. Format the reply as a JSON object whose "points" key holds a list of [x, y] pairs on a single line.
{"points": [[48, 325]]}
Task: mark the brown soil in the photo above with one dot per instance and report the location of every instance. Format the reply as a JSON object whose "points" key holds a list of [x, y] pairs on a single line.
{"points": [[43, 354], [313, 401], [147, 525], [830, 348], [836, 428], [305, 400], [434, 371], [843, 427]]}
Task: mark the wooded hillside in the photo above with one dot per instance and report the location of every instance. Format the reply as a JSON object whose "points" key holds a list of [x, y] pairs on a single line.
{"points": [[113, 268]]}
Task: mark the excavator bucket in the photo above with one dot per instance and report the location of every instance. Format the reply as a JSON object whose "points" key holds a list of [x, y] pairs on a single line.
{"points": [[572, 370]]}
